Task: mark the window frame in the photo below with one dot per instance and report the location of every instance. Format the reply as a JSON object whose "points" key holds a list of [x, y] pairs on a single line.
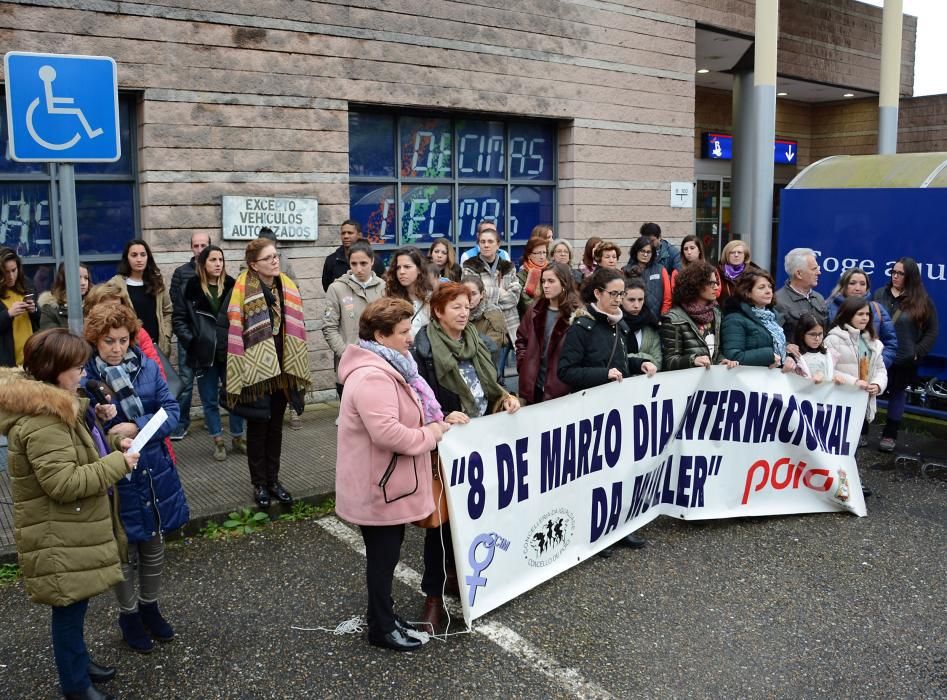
{"points": [[455, 182]]}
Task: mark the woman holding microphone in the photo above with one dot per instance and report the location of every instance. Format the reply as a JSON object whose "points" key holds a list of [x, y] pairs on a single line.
{"points": [[60, 472]]}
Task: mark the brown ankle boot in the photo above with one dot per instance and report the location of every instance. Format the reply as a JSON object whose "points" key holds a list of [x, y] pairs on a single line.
{"points": [[433, 614]]}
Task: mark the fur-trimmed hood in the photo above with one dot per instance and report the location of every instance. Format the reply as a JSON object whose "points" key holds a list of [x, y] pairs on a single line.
{"points": [[21, 396]]}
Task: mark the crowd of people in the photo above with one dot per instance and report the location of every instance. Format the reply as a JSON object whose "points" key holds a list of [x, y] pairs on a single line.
{"points": [[419, 346], [89, 512], [410, 370]]}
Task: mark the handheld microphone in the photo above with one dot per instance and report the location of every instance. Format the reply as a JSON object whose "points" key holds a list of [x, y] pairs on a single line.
{"points": [[100, 391]]}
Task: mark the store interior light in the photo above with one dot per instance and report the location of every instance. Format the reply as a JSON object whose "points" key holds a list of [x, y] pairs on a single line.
{"points": [[849, 94], [781, 94], [703, 70]]}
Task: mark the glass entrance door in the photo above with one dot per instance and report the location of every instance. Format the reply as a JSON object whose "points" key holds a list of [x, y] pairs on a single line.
{"points": [[712, 215]]}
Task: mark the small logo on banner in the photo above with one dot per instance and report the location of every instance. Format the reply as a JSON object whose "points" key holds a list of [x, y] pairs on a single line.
{"points": [[548, 537], [486, 543]]}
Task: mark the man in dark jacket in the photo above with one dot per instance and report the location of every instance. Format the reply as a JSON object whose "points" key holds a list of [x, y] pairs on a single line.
{"points": [[181, 275], [337, 264]]}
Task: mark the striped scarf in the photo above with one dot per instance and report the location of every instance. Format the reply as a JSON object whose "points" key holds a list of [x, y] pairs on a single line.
{"points": [[253, 366], [119, 379]]}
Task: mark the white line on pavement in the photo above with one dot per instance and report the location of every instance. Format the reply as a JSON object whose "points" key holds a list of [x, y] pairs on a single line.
{"points": [[505, 638]]}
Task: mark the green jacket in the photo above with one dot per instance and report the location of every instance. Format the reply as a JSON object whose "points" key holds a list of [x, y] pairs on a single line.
{"points": [[62, 518], [681, 343], [745, 338]]}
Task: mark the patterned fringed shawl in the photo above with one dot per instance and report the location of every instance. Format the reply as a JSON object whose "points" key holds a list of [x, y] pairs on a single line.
{"points": [[253, 368]]}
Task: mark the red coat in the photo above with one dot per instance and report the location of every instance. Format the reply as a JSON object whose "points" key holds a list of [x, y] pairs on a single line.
{"points": [[529, 347], [380, 416]]}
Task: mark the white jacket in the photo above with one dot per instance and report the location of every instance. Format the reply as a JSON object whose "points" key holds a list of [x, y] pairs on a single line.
{"points": [[843, 342]]}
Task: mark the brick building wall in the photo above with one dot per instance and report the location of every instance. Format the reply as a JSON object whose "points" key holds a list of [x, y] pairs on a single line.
{"points": [[252, 97]]}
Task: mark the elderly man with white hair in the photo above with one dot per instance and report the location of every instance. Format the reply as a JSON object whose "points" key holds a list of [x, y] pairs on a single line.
{"points": [[798, 295]]}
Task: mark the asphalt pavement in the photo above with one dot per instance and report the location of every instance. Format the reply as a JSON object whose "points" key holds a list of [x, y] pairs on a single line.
{"points": [[811, 606]]}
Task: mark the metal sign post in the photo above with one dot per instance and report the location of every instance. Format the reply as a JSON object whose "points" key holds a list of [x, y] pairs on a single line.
{"points": [[63, 109]]}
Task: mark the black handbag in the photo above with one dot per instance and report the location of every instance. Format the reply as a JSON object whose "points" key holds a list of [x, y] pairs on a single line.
{"points": [[171, 376]]}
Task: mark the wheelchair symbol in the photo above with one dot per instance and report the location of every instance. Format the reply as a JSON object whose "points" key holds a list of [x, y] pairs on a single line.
{"points": [[48, 74]]}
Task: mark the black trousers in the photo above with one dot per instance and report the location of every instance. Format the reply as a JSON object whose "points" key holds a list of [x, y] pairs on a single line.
{"points": [[265, 443], [382, 552], [432, 580]]}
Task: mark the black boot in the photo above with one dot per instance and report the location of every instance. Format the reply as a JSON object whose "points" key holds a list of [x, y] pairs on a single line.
{"points": [[99, 673], [134, 633], [154, 622]]}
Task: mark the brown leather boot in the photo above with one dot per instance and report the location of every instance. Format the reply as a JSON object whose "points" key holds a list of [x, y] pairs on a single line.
{"points": [[433, 614], [451, 586]]}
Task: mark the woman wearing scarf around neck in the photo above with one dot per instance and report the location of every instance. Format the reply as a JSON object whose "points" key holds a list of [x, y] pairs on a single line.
{"points": [[389, 422], [487, 319], [542, 333], [535, 259], [690, 331], [644, 341], [267, 362], [501, 285], [595, 351], [751, 334], [734, 260], [151, 499], [457, 365]]}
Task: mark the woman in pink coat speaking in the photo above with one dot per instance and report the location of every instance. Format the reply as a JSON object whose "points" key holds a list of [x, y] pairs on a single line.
{"points": [[388, 424]]}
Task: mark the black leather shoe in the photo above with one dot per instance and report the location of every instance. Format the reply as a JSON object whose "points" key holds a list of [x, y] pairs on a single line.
{"points": [[101, 674], [261, 496], [279, 493], [605, 553], [634, 541], [395, 640], [866, 492], [90, 693], [404, 625]]}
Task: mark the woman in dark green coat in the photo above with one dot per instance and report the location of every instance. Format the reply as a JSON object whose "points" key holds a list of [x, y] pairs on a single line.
{"points": [[60, 473], [750, 332], [690, 331]]}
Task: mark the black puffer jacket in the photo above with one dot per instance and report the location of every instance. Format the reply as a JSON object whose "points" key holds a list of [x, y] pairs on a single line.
{"points": [[202, 332], [592, 347], [682, 344]]}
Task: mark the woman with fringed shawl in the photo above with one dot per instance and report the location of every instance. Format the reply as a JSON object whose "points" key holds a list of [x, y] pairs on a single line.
{"points": [[267, 363]]}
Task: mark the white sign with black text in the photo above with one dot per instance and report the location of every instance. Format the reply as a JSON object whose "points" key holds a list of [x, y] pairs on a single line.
{"points": [[290, 219]]}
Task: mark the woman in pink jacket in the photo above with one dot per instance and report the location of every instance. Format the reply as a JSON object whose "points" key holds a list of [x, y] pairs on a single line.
{"points": [[389, 422]]}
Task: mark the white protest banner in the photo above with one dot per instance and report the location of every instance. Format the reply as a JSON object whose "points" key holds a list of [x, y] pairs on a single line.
{"points": [[535, 493]]}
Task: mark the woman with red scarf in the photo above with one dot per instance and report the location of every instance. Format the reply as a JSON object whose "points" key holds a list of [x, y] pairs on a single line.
{"points": [[535, 259], [690, 331]]}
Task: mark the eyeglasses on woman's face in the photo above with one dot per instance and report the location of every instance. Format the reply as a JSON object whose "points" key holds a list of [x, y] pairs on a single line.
{"points": [[538, 254], [268, 258], [614, 293]]}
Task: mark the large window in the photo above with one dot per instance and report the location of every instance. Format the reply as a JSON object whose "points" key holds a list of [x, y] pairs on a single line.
{"points": [[106, 207], [414, 179]]}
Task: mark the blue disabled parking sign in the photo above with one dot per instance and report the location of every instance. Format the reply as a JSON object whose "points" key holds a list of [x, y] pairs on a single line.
{"points": [[62, 108]]}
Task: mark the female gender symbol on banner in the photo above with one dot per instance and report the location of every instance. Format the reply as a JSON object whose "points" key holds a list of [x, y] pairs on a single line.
{"points": [[48, 74]]}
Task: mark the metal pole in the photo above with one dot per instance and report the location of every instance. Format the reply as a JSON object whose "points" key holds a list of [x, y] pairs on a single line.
{"points": [[888, 96], [741, 210], [70, 244], [764, 129]]}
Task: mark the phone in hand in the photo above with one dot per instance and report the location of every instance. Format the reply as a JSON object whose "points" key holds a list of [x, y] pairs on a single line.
{"points": [[29, 299]]}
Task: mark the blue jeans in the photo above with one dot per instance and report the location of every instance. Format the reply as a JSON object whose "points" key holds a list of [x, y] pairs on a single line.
{"points": [[69, 649], [184, 400], [208, 385]]}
